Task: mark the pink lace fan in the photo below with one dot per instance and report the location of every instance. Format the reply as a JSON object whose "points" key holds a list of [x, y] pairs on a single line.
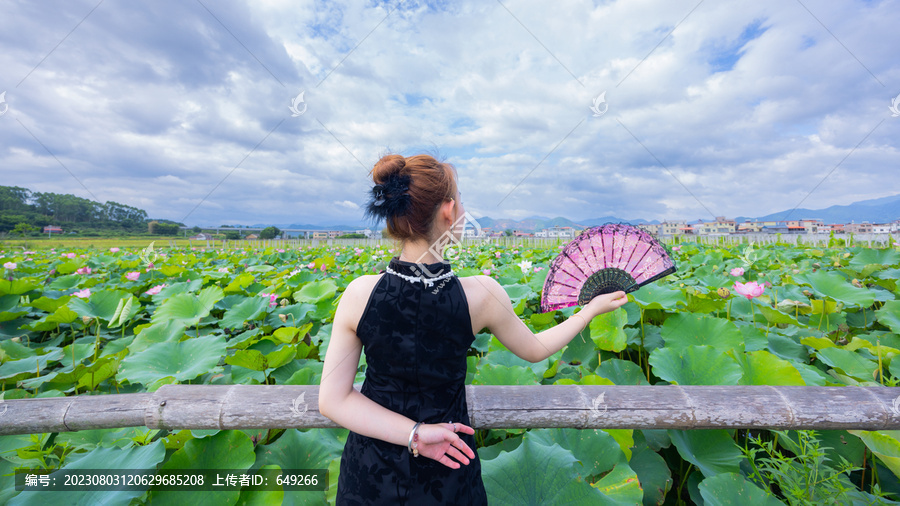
{"points": [[604, 260]]}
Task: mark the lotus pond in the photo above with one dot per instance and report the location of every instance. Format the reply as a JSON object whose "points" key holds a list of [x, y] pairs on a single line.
{"points": [[86, 322]]}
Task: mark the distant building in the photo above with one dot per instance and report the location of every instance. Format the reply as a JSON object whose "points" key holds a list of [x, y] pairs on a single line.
{"points": [[881, 228], [672, 227], [53, 230], [201, 237], [749, 227], [653, 228], [858, 228], [252, 236], [721, 226]]}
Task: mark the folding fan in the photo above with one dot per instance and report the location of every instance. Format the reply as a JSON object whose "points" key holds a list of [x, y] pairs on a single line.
{"points": [[604, 260]]}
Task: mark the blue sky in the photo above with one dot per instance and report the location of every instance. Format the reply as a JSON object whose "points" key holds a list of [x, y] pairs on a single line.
{"points": [[182, 108]]}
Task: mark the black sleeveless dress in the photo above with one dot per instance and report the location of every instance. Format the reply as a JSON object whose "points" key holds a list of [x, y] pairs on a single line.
{"points": [[415, 338]]}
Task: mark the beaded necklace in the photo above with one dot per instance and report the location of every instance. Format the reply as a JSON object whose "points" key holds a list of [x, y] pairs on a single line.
{"points": [[427, 281]]}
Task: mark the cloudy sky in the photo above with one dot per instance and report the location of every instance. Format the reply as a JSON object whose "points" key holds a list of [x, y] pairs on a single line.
{"points": [[700, 108]]}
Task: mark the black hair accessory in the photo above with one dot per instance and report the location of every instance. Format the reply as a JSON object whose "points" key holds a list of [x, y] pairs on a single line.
{"points": [[390, 198]]}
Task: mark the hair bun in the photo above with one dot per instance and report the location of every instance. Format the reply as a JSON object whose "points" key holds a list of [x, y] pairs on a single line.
{"points": [[390, 198], [388, 165]]}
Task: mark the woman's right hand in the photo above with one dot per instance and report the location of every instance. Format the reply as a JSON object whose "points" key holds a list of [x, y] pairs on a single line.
{"points": [[604, 303]]}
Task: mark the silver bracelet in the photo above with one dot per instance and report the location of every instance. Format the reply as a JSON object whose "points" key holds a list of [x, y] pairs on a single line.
{"points": [[413, 445]]}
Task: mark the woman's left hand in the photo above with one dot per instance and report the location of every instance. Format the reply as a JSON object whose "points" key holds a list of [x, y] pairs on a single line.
{"points": [[439, 441]]}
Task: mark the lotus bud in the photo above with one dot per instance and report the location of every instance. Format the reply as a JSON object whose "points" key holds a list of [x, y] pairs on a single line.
{"points": [[856, 283], [283, 318], [284, 302], [807, 293], [817, 265], [796, 271], [846, 255], [86, 319], [724, 292], [837, 264]]}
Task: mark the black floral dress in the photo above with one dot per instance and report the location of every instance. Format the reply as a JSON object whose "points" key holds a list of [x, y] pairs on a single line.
{"points": [[415, 338]]}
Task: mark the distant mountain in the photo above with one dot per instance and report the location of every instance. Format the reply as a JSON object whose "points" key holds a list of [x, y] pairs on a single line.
{"points": [[881, 210], [593, 222]]}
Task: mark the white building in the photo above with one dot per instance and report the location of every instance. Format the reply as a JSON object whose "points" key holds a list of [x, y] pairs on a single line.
{"points": [[560, 232]]}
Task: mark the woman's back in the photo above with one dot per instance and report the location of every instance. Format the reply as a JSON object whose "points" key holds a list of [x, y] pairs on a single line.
{"points": [[415, 337]]}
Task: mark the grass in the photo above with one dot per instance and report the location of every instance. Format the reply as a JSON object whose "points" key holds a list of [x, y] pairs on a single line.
{"points": [[34, 243]]}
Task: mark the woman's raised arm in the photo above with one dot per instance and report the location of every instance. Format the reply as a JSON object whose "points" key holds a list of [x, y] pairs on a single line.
{"points": [[493, 310]]}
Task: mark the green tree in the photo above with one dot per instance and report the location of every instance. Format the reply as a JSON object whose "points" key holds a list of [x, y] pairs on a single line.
{"points": [[232, 235], [269, 233], [23, 229], [508, 232], [196, 230]]}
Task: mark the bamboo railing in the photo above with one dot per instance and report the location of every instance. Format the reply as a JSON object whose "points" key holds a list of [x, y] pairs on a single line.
{"points": [[490, 407]]}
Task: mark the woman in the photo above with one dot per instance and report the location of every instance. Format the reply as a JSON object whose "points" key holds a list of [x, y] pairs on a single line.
{"points": [[416, 322]]}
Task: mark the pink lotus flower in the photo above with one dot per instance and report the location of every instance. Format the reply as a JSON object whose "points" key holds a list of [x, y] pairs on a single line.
{"points": [[272, 298], [9, 265], [29, 252], [133, 276], [538, 269], [750, 290], [281, 251], [737, 271], [322, 268], [312, 265], [486, 272], [156, 289], [223, 269], [83, 294], [676, 248], [69, 255], [113, 250], [83, 270], [497, 254]]}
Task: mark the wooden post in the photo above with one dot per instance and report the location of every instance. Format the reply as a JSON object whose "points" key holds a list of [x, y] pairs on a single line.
{"points": [[490, 407]]}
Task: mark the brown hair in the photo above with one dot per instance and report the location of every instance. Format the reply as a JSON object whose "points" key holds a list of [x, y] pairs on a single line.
{"points": [[431, 183]]}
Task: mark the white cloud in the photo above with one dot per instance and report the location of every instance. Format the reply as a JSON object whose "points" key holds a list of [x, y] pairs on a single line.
{"points": [[749, 104]]}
